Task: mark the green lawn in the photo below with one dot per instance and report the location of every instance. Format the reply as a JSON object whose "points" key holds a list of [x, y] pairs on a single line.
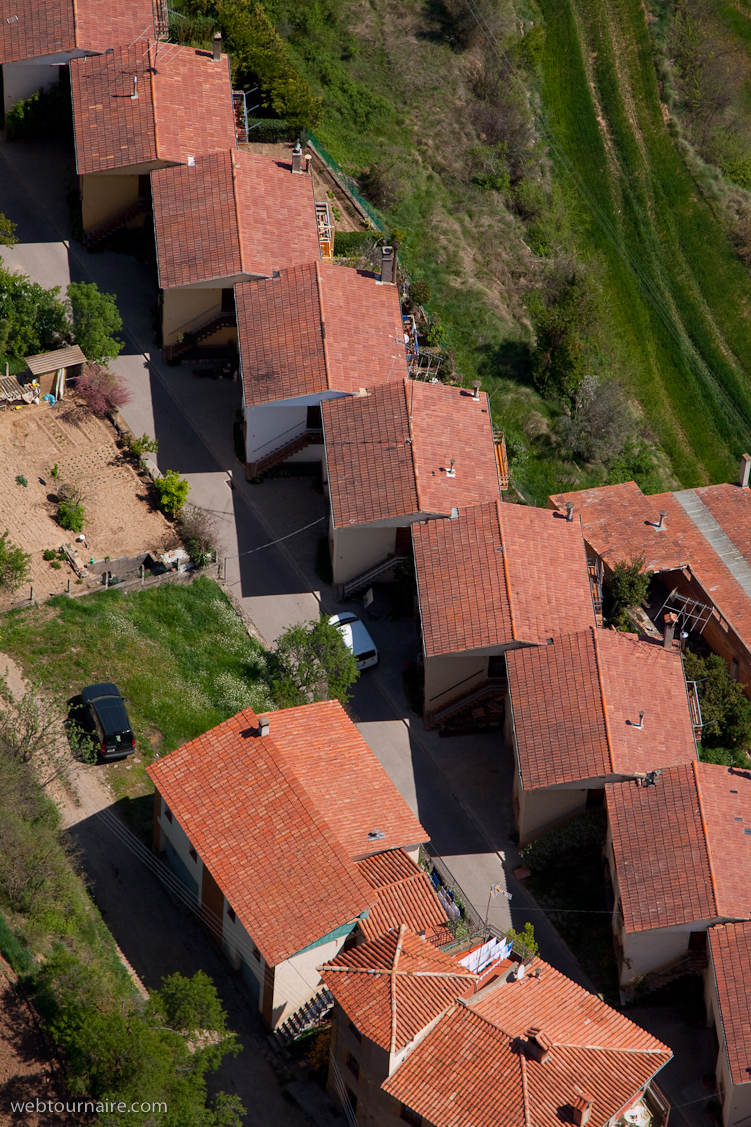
{"points": [[179, 653]]}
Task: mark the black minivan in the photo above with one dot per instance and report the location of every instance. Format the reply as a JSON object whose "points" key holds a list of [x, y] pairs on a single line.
{"points": [[107, 720]]}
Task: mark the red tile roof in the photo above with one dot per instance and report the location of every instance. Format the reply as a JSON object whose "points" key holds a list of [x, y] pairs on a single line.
{"points": [[45, 27], [619, 522], [318, 328], [500, 574], [576, 703], [389, 452], [270, 818], [681, 848], [475, 1068], [425, 983], [231, 213], [730, 949], [183, 108], [404, 895]]}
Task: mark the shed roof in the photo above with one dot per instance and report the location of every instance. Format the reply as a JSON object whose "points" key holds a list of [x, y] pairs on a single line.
{"points": [[405, 895], [47, 27], [231, 213], [59, 358], [317, 328], [389, 452], [475, 1067], [184, 106], [730, 949], [576, 708], [682, 848], [501, 574]]}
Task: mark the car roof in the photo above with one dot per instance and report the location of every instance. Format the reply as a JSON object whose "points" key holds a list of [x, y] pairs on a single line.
{"points": [[97, 692]]}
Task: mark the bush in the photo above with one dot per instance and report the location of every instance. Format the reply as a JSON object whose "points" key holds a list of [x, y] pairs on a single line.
{"points": [[420, 292], [7, 239], [49, 554], [348, 243], [628, 585], [526, 937], [14, 949], [142, 445], [14, 564], [101, 390], [47, 113], [312, 663], [725, 711], [95, 319], [600, 422], [585, 834], [71, 515], [173, 492], [199, 531], [22, 480]]}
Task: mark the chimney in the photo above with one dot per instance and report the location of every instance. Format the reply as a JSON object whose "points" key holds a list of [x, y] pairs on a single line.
{"points": [[297, 158], [671, 621], [538, 1045], [569, 510], [263, 726], [582, 1108], [217, 46], [387, 265], [661, 522], [745, 471], [476, 390]]}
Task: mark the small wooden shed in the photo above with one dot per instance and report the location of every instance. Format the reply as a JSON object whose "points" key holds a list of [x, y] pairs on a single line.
{"points": [[52, 369]]}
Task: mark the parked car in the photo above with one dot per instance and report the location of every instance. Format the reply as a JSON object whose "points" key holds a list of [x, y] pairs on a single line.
{"points": [[105, 717], [357, 639]]}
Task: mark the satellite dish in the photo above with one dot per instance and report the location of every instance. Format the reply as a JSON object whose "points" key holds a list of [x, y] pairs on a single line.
{"points": [[520, 972]]}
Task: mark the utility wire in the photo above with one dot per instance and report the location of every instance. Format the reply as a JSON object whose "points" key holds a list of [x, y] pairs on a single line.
{"points": [[271, 543]]}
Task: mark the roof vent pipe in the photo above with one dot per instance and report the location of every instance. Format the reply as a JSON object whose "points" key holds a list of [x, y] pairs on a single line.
{"points": [[217, 46], [308, 161], [387, 265], [661, 522], [297, 157], [745, 471], [134, 95], [263, 726], [476, 390], [569, 510]]}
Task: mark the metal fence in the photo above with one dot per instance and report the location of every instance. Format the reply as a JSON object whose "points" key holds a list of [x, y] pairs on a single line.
{"points": [[346, 183]]}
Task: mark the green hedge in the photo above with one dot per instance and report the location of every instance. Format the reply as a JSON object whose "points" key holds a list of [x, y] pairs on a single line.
{"points": [[270, 129], [349, 242], [585, 834]]}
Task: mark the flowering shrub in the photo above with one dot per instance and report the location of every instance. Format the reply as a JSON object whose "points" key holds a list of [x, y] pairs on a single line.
{"points": [[101, 390]]}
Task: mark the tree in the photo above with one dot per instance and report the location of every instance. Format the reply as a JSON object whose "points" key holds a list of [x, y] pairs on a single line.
{"points": [[313, 663], [33, 731], [600, 422], [7, 233], [95, 319], [36, 319], [725, 711], [629, 585], [173, 492], [14, 564], [565, 319], [526, 937], [200, 534]]}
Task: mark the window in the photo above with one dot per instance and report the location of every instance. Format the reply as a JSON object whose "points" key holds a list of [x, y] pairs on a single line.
{"points": [[256, 954], [352, 1064], [351, 1098], [168, 813], [194, 855], [231, 913], [228, 300], [355, 1031], [410, 1116]]}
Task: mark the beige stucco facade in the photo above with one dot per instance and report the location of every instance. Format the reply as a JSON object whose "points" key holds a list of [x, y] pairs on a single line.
{"points": [[24, 78], [735, 1098], [186, 309]]}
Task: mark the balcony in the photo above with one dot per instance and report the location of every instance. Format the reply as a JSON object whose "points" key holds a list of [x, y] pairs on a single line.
{"points": [[650, 1110]]}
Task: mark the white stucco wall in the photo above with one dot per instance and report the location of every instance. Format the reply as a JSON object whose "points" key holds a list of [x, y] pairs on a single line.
{"points": [[21, 80], [354, 550]]}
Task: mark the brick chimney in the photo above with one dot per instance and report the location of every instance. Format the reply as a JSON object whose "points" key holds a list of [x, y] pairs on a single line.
{"points": [[217, 46], [582, 1107], [538, 1045], [671, 620], [745, 470], [263, 726], [388, 264], [297, 158]]}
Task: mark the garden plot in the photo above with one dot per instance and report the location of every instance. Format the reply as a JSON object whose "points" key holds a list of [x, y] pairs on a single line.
{"points": [[119, 520]]}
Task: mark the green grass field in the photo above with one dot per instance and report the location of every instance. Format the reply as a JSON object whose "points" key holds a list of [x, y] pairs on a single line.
{"points": [[179, 653], [688, 349]]}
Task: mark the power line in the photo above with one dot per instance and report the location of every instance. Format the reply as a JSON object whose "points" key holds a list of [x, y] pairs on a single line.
{"points": [[271, 543]]}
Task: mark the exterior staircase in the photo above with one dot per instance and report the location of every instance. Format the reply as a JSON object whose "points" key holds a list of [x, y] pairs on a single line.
{"points": [[191, 340], [367, 577], [473, 698], [307, 1017], [139, 207], [307, 438], [691, 962]]}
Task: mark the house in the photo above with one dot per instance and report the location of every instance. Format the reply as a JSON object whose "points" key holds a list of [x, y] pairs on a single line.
{"points": [[678, 848], [398, 453], [225, 218], [417, 1038], [729, 1010], [698, 543], [140, 107], [276, 826], [311, 333], [497, 577], [590, 708], [37, 37]]}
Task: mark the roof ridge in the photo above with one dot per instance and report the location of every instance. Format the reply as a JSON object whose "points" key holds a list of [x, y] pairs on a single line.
{"points": [[75, 24], [694, 766], [152, 75], [609, 1048], [319, 290], [409, 406], [397, 953], [505, 572], [608, 738], [235, 169], [463, 975], [525, 1093]]}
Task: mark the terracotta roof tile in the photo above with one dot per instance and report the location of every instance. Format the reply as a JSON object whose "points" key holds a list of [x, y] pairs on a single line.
{"points": [[389, 452], [500, 574], [619, 522], [45, 27], [426, 983], [560, 694], [730, 948], [183, 108], [231, 213], [269, 817], [681, 849], [472, 1069], [404, 895], [317, 328]]}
